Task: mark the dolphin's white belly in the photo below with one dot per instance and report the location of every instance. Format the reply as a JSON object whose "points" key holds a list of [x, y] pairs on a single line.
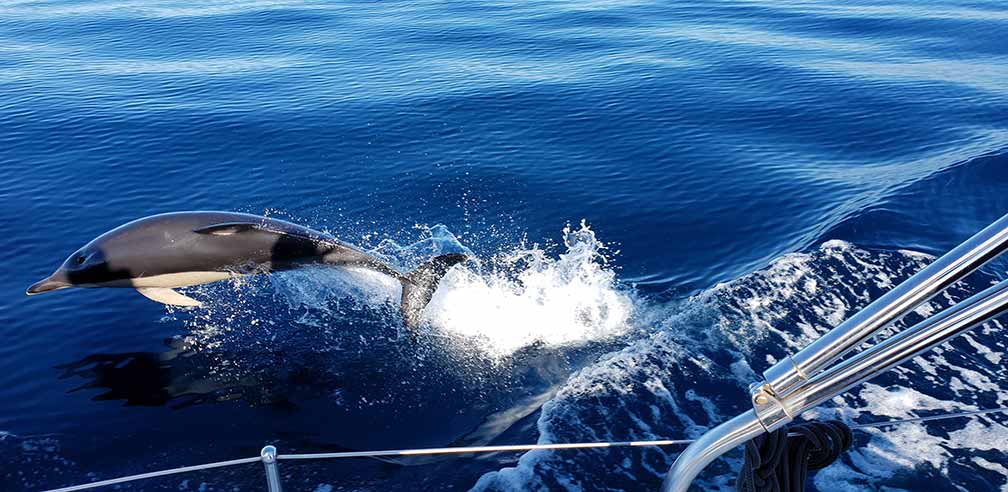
{"points": [[182, 279]]}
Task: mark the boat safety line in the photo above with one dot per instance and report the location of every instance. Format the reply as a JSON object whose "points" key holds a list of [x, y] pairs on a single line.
{"points": [[161, 473], [480, 449], [943, 416]]}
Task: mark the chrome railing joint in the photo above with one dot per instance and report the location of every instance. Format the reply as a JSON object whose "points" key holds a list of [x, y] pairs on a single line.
{"points": [[269, 459]]}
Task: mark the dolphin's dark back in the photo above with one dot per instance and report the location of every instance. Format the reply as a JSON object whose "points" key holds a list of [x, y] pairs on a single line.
{"points": [[208, 242]]}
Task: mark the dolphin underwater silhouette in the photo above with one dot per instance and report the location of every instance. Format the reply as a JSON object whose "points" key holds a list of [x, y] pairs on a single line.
{"points": [[157, 254]]}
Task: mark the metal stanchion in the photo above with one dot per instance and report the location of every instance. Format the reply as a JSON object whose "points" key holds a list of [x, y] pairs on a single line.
{"points": [[269, 459]]}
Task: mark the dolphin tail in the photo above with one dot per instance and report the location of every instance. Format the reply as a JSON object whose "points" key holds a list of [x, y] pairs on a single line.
{"points": [[419, 285]]}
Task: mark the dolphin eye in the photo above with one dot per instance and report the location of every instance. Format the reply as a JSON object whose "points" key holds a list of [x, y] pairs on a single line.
{"points": [[80, 259]]}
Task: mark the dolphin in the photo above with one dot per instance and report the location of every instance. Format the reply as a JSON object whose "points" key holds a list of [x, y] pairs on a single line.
{"points": [[160, 253]]}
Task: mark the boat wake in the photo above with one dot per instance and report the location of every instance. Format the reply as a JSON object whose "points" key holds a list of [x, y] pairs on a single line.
{"points": [[692, 374]]}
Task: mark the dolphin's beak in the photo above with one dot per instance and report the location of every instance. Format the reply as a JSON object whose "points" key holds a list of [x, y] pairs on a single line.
{"points": [[55, 281]]}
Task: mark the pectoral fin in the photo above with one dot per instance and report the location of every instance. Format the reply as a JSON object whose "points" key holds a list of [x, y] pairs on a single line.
{"points": [[168, 296]]}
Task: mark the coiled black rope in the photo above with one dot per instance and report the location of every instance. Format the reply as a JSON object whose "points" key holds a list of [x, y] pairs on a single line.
{"points": [[777, 462]]}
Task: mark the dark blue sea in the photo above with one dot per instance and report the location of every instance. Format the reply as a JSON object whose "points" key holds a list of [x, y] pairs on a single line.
{"points": [[664, 198]]}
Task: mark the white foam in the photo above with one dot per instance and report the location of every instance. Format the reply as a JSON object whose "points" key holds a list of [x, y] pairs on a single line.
{"points": [[553, 301], [902, 402]]}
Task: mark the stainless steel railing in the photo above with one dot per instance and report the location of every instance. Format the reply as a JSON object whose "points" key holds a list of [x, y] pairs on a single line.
{"points": [[269, 459], [782, 378], [806, 379]]}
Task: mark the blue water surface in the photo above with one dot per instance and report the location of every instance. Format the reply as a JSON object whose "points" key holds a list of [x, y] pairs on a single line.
{"points": [[704, 142]]}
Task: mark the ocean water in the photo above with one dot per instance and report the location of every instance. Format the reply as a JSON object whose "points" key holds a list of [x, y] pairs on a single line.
{"points": [[664, 198]]}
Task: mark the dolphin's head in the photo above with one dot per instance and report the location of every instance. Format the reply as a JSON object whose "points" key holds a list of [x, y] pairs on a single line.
{"points": [[87, 266]]}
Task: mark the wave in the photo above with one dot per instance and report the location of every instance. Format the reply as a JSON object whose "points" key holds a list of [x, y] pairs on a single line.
{"points": [[962, 198], [691, 375]]}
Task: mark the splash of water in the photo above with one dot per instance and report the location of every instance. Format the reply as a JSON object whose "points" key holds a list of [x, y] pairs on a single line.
{"points": [[526, 297]]}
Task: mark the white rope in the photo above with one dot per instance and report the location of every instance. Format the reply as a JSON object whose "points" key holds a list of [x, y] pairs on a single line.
{"points": [[965, 413], [481, 449], [161, 473]]}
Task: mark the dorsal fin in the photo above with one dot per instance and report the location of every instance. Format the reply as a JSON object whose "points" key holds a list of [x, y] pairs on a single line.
{"points": [[238, 227], [229, 228]]}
